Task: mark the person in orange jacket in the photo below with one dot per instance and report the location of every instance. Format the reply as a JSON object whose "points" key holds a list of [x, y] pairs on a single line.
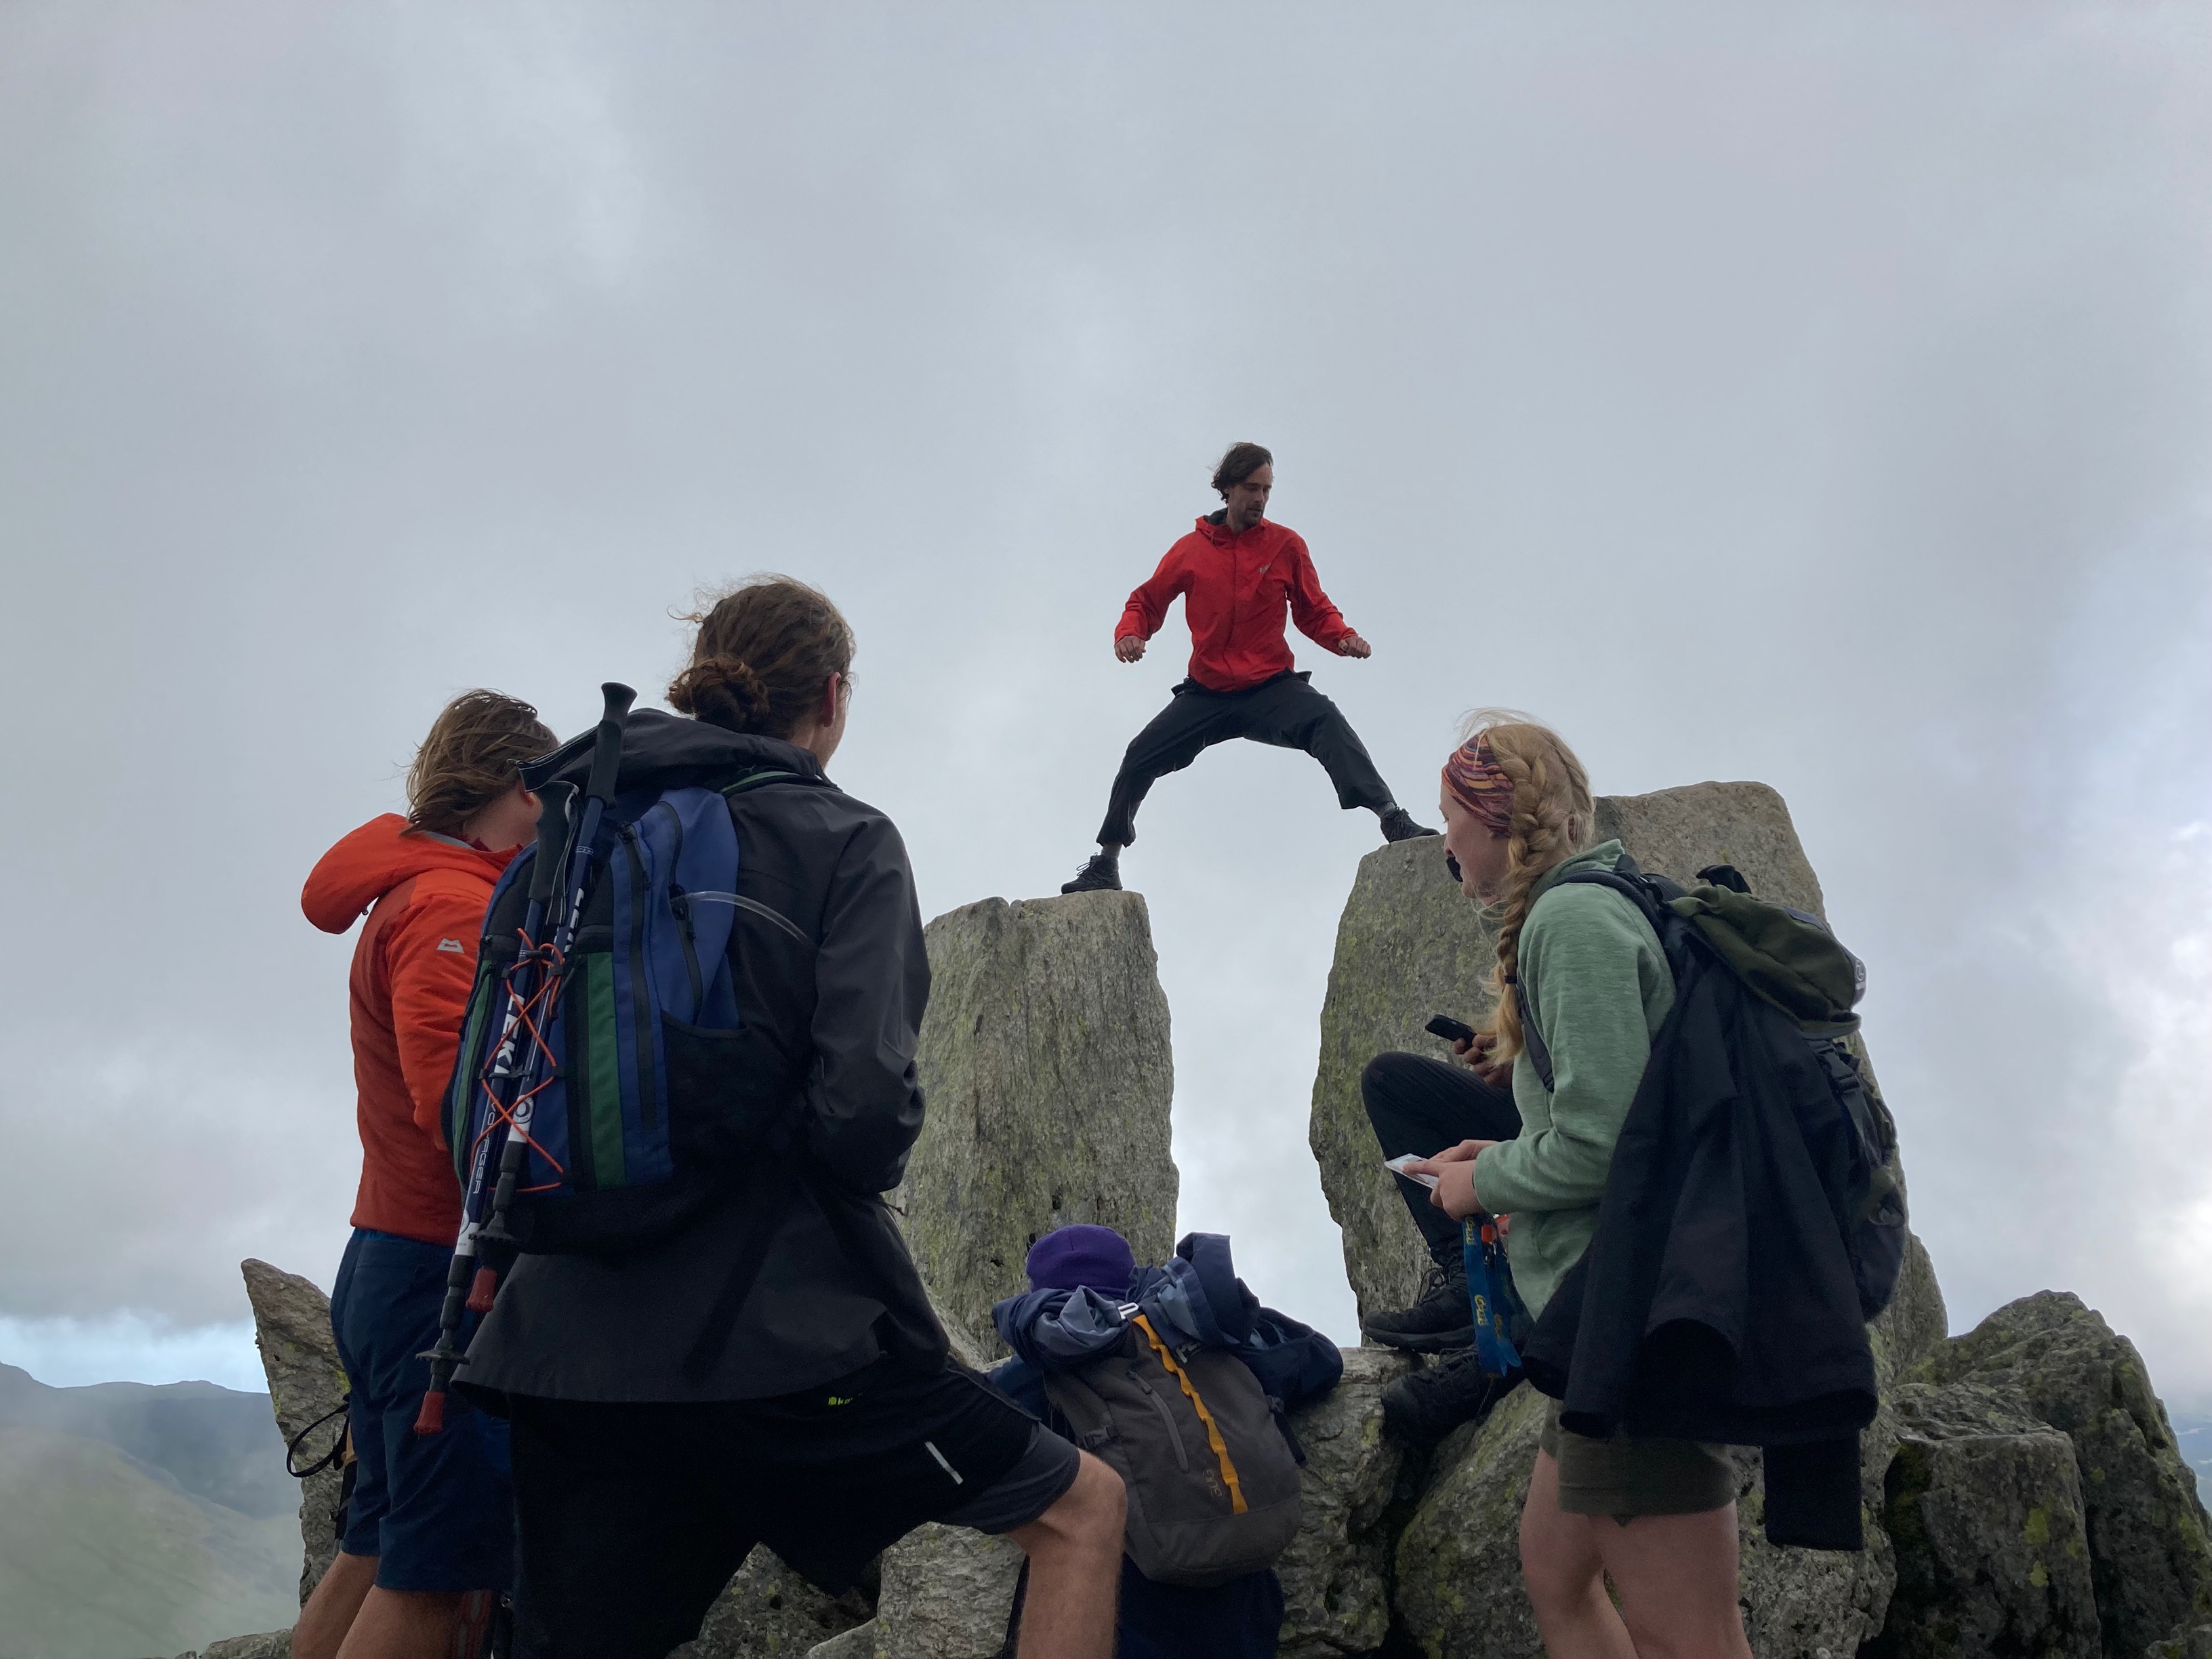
{"points": [[1241, 577], [428, 1528]]}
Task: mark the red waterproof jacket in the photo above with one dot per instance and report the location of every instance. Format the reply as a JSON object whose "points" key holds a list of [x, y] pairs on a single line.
{"points": [[411, 974], [1237, 589]]}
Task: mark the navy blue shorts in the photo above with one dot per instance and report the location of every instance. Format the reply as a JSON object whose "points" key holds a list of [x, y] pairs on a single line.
{"points": [[436, 1510]]}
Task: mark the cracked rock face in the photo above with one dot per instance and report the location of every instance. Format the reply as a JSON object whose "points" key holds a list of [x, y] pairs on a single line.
{"points": [[292, 1328], [1982, 1507], [2058, 1363], [1336, 1597], [1047, 1075]]}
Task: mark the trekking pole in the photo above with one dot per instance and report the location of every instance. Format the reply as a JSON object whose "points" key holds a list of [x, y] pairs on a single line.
{"points": [[446, 1355], [515, 1105], [575, 880]]}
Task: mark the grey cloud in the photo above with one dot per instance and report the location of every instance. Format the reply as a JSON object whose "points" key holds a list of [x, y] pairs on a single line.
{"points": [[1819, 398]]}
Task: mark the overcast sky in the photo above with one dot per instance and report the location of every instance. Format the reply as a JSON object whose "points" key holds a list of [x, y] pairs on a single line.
{"points": [[1817, 395]]}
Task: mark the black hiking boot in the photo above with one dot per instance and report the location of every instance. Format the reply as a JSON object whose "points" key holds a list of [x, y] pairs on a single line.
{"points": [[1101, 873], [1398, 825], [1443, 1318], [1423, 1408]]}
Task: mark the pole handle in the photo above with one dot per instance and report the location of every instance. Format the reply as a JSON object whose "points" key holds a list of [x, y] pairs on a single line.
{"points": [[552, 835], [606, 746]]}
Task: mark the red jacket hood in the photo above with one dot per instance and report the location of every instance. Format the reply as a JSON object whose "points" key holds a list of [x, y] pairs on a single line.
{"points": [[376, 858]]}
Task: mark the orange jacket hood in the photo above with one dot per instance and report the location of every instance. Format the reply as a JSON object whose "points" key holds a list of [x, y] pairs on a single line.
{"points": [[376, 858]]}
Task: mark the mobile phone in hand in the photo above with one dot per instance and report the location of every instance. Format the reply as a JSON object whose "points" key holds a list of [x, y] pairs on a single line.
{"points": [[1450, 1029]]}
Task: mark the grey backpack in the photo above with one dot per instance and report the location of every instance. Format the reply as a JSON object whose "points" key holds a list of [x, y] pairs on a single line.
{"points": [[1213, 1486]]}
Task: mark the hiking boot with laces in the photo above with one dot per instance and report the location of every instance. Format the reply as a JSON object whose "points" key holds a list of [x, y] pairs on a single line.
{"points": [[1398, 825], [1101, 873], [1426, 1407], [1441, 1319]]}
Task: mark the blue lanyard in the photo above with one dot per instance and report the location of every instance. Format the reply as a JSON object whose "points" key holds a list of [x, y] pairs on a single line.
{"points": [[1494, 1350]]}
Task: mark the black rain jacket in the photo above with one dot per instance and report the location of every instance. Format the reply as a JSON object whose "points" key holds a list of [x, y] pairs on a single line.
{"points": [[831, 978], [1716, 1300]]}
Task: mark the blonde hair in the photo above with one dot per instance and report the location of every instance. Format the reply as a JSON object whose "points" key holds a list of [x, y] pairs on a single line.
{"points": [[1553, 817]]}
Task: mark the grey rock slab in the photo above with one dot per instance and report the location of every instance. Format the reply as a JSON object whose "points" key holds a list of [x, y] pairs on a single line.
{"points": [[1459, 1590], [1800, 1603], [1916, 1321], [300, 1357], [1048, 1076], [946, 1593], [2150, 1558], [1982, 1506], [1409, 946], [768, 1609], [272, 1644], [1336, 1574], [2190, 1642], [858, 1642]]}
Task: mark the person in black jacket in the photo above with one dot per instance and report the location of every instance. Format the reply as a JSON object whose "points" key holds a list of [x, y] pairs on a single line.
{"points": [[659, 1432]]}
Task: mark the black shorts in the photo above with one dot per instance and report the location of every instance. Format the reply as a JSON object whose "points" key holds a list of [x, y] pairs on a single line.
{"points": [[632, 1517]]}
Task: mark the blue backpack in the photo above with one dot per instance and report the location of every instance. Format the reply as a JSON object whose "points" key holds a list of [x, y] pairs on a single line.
{"points": [[631, 1027]]}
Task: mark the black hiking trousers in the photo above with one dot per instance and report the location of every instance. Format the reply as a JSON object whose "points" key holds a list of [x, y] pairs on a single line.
{"points": [[1286, 712], [1421, 1106]]}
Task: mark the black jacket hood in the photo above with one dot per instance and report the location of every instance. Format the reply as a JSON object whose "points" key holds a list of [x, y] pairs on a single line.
{"points": [[661, 750]]}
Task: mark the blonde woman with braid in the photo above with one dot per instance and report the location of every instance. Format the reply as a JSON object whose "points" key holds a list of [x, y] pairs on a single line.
{"points": [[1657, 1517]]}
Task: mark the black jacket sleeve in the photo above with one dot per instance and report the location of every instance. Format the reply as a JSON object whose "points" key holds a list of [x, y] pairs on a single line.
{"points": [[872, 983]]}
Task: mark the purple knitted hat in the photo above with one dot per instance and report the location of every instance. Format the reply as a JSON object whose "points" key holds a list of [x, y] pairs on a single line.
{"points": [[1082, 1257]]}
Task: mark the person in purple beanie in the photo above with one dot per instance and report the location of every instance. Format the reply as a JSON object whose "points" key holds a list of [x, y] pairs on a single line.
{"points": [[1240, 1619]]}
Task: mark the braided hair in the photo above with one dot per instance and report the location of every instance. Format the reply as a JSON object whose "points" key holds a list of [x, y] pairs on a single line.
{"points": [[1553, 814]]}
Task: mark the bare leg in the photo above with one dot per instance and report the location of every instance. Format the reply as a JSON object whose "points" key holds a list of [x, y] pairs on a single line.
{"points": [[404, 1624], [331, 1606], [1566, 1576], [1075, 1568], [1677, 1578]]}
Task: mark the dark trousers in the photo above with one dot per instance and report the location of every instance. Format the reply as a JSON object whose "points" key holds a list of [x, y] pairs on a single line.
{"points": [[1286, 712], [1421, 1106]]}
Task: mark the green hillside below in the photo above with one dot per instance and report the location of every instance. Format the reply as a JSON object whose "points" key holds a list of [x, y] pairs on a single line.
{"points": [[105, 1556]]}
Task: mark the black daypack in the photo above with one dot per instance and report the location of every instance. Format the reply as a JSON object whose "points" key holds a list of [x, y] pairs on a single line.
{"points": [[1212, 1484], [1790, 959]]}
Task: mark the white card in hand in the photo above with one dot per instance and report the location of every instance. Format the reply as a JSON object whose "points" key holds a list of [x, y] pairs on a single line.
{"points": [[1397, 1166]]}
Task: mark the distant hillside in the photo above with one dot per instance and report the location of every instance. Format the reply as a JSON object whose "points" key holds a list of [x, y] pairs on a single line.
{"points": [[105, 1556], [218, 1444], [138, 1520]]}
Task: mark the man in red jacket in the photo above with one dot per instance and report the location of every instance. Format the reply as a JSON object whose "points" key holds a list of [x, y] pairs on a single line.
{"points": [[1239, 576]]}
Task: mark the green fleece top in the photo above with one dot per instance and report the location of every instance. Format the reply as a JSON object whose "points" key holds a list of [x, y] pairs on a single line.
{"points": [[1602, 988]]}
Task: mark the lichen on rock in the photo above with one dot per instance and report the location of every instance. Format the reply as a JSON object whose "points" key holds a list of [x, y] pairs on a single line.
{"points": [[1048, 1076]]}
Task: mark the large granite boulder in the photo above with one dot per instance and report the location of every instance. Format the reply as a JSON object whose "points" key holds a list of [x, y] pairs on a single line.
{"points": [[2059, 1364], [1336, 1594], [767, 1611], [1410, 946], [307, 1385], [1046, 1067], [947, 1594], [1983, 1509], [1459, 1589]]}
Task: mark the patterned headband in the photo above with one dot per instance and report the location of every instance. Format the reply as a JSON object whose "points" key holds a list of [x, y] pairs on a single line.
{"points": [[1477, 782]]}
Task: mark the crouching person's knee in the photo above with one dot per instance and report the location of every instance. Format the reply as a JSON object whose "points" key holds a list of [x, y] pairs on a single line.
{"points": [[1092, 1513]]}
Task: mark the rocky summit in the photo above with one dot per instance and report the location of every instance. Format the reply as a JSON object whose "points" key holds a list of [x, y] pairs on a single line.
{"points": [[2022, 1491]]}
